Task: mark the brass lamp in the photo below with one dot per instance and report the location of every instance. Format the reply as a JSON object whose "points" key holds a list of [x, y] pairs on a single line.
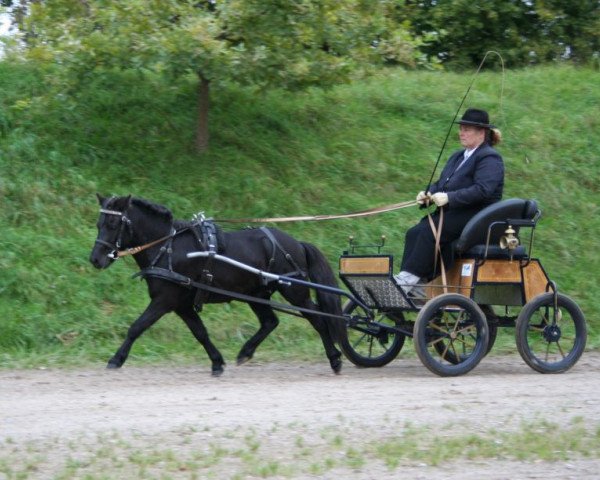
{"points": [[508, 240]]}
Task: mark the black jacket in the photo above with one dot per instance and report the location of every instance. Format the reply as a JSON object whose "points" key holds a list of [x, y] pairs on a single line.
{"points": [[477, 183]]}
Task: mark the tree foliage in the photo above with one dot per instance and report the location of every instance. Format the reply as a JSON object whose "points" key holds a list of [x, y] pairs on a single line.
{"points": [[459, 32], [263, 42], [290, 44]]}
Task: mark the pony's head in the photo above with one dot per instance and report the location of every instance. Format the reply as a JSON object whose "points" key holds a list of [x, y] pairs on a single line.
{"points": [[123, 221], [113, 226]]}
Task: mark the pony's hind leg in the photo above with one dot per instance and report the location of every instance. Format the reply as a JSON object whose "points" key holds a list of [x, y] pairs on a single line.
{"points": [[333, 354], [268, 322], [194, 323], [300, 298]]}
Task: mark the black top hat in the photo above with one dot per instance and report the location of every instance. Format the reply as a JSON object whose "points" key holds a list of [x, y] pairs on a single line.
{"points": [[477, 118]]}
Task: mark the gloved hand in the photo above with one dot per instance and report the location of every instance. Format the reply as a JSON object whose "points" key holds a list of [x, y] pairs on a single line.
{"points": [[440, 198], [423, 197]]}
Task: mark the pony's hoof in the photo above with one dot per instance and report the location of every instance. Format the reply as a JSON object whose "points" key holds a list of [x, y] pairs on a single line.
{"points": [[337, 367], [243, 359], [112, 366], [217, 371]]}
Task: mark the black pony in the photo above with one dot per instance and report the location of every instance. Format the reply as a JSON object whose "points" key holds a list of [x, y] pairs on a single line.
{"points": [[126, 223]]}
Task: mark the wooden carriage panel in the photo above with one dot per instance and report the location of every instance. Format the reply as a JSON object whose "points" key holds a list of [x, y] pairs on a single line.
{"points": [[459, 280], [535, 279], [499, 271], [366, 265]]}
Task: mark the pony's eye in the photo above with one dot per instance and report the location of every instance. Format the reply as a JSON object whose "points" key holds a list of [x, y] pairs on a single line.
{"points": [[109, 221]]}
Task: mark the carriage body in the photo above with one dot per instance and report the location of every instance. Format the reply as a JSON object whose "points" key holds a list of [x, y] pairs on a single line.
{"points": [[458, 314], [493, 282]]}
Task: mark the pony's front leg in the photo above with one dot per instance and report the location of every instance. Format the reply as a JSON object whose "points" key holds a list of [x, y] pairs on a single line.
{"points": [[194, 323], [152, 313]]}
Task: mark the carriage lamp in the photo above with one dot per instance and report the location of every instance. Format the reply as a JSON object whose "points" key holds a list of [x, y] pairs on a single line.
{"points": [[508, 240]]}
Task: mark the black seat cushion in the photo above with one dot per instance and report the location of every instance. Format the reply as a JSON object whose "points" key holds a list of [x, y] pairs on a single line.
{"points": [[495, 252], [476, 230]]}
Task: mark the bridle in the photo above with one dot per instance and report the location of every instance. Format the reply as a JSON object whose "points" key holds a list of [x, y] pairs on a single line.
{"points": [[115, 252]]}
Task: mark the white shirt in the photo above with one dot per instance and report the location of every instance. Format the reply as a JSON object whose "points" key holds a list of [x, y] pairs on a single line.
{"points": [[466, 155]]}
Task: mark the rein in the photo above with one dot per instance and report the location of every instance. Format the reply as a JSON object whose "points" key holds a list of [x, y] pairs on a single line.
{"points": [[308, 218], [138, 249]]}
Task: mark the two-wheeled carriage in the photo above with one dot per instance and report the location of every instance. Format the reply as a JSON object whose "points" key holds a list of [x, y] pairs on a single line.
{"points": [[452, 323]]}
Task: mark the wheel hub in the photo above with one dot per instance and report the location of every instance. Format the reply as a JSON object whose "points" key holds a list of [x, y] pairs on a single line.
{"points": [[552, 333]]}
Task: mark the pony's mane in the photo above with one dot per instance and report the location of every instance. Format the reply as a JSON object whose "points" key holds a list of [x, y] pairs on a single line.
{"points": [[154, 208]]}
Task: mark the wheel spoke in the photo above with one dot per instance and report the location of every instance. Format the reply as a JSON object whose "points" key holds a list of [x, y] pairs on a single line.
{"points": [[445, 352], [435, 326], [370, 346], [533, 328], [441, 339], [560, 350], [457, 340], [355, 344], [467, 328], [451, 344], [463, 340]]}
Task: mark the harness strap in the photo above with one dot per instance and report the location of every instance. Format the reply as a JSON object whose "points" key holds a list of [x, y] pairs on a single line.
{"points": [[169, 275], [206, 233], [165, 275], [287, 256]]}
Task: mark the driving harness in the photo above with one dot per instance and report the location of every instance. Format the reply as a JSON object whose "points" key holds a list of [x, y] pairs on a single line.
{"points": [[210, 239]]}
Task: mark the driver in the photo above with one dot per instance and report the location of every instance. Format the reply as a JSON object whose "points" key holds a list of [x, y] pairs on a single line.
{"points": [[472, 179]]}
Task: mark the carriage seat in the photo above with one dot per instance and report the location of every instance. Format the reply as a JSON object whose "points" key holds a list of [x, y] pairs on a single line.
{"points": [[517, 212]]}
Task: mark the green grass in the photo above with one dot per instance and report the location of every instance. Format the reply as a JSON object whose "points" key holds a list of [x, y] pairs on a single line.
{"points": [[272, 153]]}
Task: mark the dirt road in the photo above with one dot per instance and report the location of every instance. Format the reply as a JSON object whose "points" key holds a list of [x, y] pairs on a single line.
{"points": [[288, 421]]}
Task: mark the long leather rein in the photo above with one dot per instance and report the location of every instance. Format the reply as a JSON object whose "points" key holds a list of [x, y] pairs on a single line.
{"points": [[308, 218]]}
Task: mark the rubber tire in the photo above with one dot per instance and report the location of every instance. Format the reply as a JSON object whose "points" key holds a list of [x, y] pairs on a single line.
{"points": [[428, 313], [359, 359], [523, 327]]}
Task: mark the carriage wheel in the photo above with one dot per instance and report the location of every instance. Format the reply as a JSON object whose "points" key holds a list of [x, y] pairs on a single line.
{"points": [[369, 345], [451, 335], [550, 337]]}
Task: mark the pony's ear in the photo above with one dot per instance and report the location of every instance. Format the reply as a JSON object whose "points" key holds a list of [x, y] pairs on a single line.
{"points": [[100, 198], [128, 201]]}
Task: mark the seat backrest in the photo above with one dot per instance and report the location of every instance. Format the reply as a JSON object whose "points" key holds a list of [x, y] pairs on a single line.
{"points": [[476, 230]]}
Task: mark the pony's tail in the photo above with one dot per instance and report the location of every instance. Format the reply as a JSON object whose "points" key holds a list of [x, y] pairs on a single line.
{"points": [[320, 272]]}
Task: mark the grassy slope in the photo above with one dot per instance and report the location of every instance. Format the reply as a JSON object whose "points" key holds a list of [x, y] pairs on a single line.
{"points": [[275, 153]]}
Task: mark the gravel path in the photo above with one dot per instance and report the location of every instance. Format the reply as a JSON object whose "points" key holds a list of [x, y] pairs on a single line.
{"points": [[283, 420]]}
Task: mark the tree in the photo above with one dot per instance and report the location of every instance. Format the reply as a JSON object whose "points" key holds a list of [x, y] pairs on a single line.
{"points": [[291, 44], [459, 32], [573, 27]]}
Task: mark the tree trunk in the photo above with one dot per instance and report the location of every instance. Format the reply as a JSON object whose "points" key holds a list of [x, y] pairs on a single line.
{"points": [[203, 104]]}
